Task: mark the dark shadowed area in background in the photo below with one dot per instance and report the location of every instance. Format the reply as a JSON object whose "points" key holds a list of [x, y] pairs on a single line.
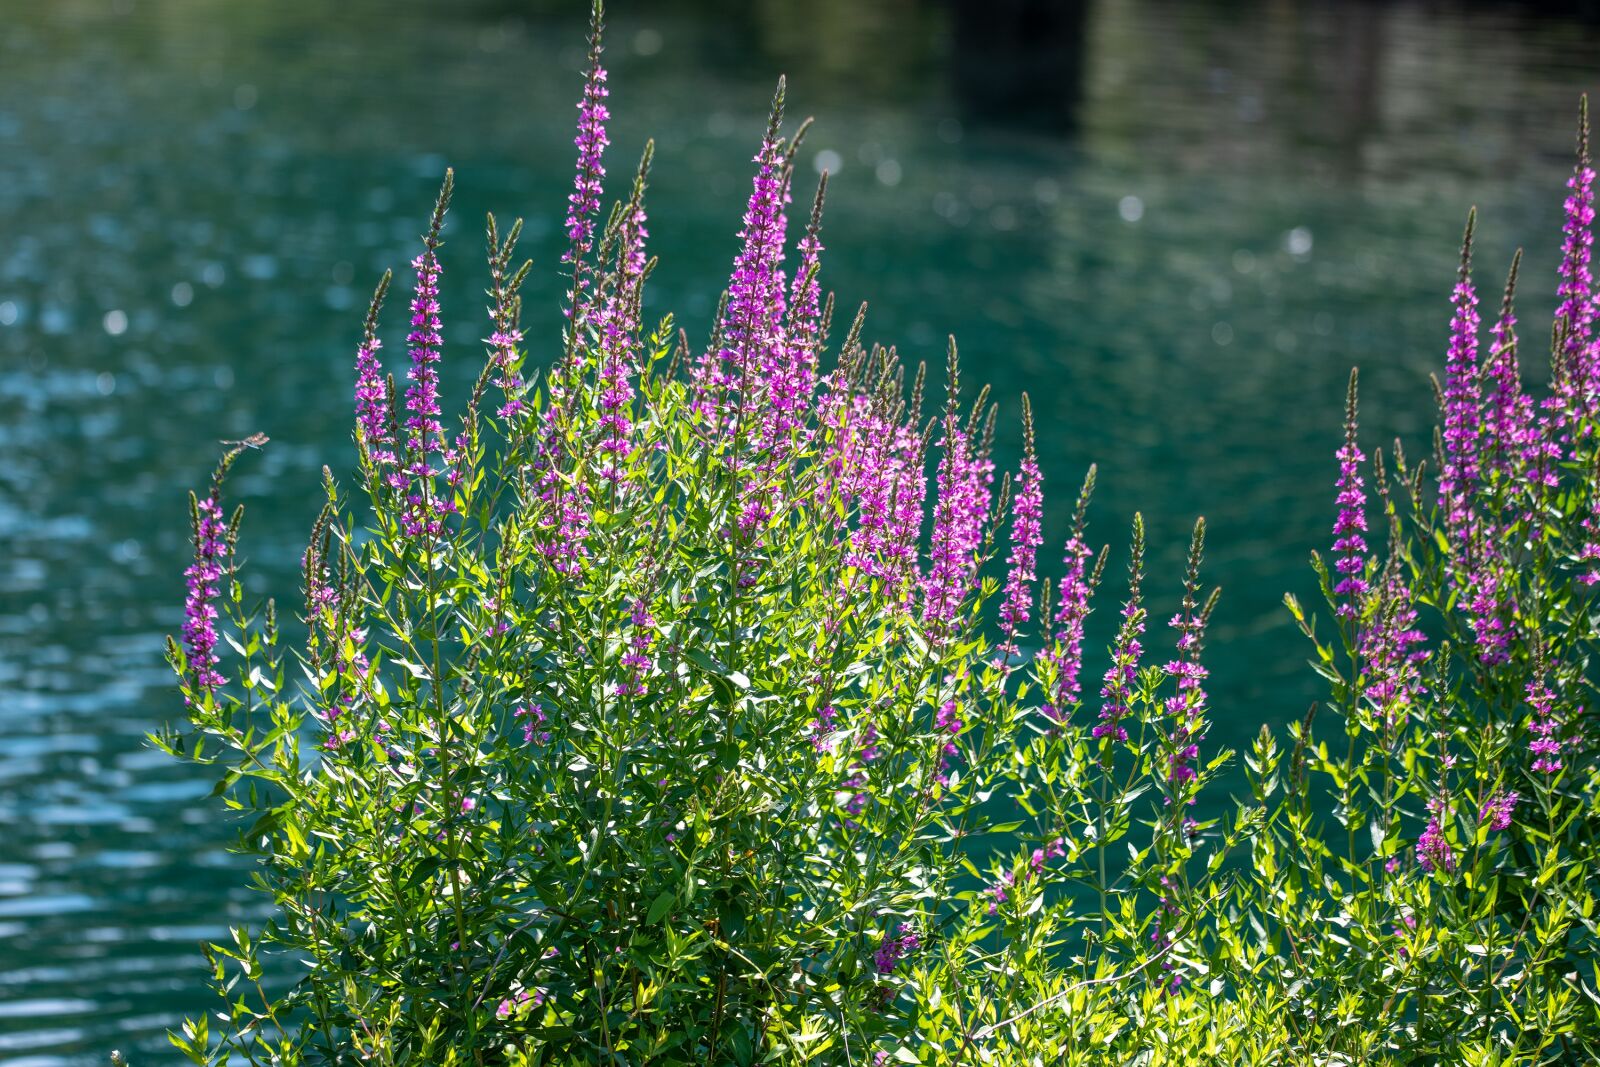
{"points": [[1176, 224]]}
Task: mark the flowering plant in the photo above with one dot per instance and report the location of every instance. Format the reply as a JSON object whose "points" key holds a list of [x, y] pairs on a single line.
{"points": [[699, 703]]}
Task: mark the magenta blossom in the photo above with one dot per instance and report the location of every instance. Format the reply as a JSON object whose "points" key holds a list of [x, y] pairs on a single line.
{"points": [[1434, 851], [204, 578], [1496, 811]]}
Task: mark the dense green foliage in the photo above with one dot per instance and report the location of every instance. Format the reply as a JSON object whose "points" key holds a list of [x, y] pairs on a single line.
{"points": [[641, 720]]}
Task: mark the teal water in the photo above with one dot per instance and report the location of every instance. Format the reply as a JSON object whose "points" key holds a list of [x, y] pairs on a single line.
{"points": [[1177, 225]]}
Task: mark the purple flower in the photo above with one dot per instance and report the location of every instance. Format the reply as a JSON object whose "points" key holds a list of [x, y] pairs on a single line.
{"points": [[619, 338], [533, 719], [1576, 311], [1462, 397], [424, 511], [1000, 891], [1474, 559], [866, 752], [1545, 725], [751, 329], [637, 659], [1027, 534], [1350, 546], [504, 309], [822, 726], [563, 515], [947, 720], [1434, 852], [372, 392], [1390, 646], [963, 482], [950, 563], [1121, 677], [1188, 705], [875, 463], [1486, 609], [587, 185], [892, 949], [1496, 811], [1589, 552], [204, 578], [790, 375], [517, 1002], [1512, 438], [1072, 609]]}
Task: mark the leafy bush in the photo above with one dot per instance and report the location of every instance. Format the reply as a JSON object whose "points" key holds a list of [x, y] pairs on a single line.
{"points": [[666, 710]]}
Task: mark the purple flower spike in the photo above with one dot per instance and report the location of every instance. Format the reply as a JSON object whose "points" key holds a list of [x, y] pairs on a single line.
{"points": [[1077, 585], [583, 203], [1545, 724], [424, 512], [893, 949], [371, 392], [1512, 436], [1350, 546], [1472, 567], [1122, 676], [1390, 646], [1027, 534], [1576, 311], [1462, 395], [1434, 852], [1496, 811], [637, 660], [963, 504], [619, 332], [791, 376], [751, 322], [504, 311], [751, 328], [204, 578], [1187, 706], [213, 544]]}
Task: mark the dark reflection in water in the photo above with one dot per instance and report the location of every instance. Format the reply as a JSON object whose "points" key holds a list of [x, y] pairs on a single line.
{"points": [[1176, 224]]}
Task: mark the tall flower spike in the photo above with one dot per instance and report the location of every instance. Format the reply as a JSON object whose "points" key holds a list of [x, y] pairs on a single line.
{"points": [[1122, 676], [1497, 810], [1390, 648], [1472, 567], [1575, 313], [204, 577], [752, 320], [213, 544], [1461, 395], [959, 513], [1509, 428], [371, 395], [619, 328], [1434, 851], [1027, 534], [1066, 651], [423, 511], [1187, 706], [1545, 722], [1350, 546], [793, 380], [504, 312], [1589, 553], [588, 183]]}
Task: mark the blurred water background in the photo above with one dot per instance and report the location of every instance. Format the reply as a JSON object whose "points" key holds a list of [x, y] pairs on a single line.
{"points": [[1176, 224]]}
